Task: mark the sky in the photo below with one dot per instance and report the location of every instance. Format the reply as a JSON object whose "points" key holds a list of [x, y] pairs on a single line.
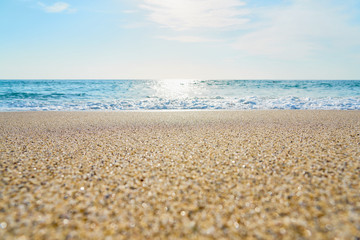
{"points": [[180, 39]]}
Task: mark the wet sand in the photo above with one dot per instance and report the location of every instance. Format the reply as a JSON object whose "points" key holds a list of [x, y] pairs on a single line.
{"points": [[180, 175]]}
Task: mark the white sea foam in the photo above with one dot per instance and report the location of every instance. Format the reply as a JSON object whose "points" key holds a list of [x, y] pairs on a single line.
{"points": [[246, 103]]}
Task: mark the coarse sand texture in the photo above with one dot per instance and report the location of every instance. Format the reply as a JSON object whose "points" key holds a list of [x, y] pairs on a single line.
{"points": [[180, 175]]}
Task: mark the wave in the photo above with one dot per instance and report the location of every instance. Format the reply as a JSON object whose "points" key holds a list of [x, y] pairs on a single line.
{"points": [[25, 95], [247, 103]]}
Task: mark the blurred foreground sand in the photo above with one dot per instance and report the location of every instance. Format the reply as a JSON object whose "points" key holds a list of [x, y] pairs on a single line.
{"points": [[188, 175]]}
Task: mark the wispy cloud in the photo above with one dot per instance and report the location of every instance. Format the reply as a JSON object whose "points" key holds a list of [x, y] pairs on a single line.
{"points": [[57, 7], [300, 30], [289, 30], [190, 14]]}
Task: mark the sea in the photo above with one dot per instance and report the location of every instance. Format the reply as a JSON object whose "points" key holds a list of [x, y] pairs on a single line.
{"points": [[177, 94]]}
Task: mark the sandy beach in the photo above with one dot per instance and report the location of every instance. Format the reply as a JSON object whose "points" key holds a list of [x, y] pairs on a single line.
{"points": [[180, 175]]}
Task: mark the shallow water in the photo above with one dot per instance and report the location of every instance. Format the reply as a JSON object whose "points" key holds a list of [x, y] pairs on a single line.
{"points": [[75, 95]]}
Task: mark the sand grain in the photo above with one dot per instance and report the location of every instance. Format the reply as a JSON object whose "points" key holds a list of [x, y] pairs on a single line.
{"points": [[180, 175]]}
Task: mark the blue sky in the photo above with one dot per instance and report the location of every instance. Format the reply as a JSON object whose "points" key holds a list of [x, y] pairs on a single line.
{"points": [[196, 39]]}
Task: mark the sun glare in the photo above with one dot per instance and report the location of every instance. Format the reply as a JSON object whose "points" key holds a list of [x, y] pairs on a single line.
{"points": [[174, 88]]}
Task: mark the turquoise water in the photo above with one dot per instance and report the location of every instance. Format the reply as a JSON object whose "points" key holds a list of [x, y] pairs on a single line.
{"points": [[77, 95]]}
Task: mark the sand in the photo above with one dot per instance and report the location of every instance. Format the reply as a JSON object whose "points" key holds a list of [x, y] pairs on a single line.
{"points": [[180, 175]]}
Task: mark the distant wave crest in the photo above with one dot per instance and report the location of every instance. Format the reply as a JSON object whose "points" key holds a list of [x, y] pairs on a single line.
{"points": [[247, 103]]}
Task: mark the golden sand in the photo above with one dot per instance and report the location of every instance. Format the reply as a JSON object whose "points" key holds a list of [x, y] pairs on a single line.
{"points": [[180, 175]]}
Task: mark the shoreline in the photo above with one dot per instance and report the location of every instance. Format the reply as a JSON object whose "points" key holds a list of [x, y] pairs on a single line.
{"points": [[173, 110], [247, 174]]}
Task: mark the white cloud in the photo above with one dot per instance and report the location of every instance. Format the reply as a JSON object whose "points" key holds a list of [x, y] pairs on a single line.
{"points": [[302, 29], [193, 14], [294, 29], [185, 38], [56, 7]]}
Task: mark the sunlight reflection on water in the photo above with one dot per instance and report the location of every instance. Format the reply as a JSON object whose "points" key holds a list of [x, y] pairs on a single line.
{"points": [[176, 88]]}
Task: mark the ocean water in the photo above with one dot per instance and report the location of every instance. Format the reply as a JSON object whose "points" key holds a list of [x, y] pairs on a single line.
{"points": [[116, 95]]}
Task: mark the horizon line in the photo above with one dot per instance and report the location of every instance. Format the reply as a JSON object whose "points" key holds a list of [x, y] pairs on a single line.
{"points": [[176, 79]]}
